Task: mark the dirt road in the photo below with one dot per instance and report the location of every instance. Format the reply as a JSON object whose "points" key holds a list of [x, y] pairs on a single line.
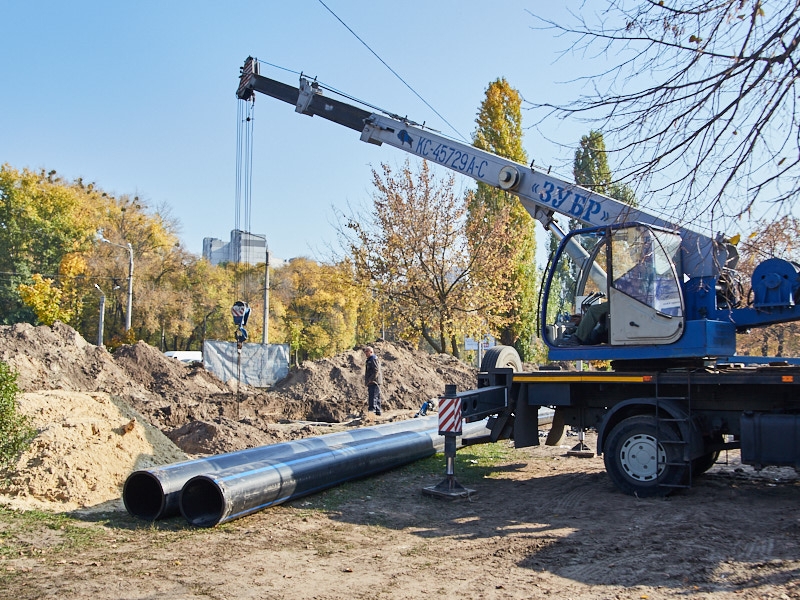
{"points": [[540, 525]]}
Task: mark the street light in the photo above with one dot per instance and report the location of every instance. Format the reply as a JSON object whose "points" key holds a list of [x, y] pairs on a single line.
{"points": [[101, 238], [265, 321], [101, 323], [102, 315]]}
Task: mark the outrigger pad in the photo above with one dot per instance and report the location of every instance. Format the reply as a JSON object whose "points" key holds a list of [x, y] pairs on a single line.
{"points": [[581, 450], [448, 489]]}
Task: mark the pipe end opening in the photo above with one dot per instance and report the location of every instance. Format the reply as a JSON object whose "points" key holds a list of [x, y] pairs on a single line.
{"points": [[143, 496], [202, 502]]}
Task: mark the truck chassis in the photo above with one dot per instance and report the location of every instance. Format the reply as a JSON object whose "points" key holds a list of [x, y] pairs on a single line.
{"points": [[656, 430]]}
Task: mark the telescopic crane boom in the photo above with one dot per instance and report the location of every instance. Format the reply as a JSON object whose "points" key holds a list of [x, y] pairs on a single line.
{"points": [[692, 305]]}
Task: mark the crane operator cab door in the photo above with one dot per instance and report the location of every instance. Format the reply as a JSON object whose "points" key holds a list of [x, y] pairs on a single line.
{"points": [[616, 286]]}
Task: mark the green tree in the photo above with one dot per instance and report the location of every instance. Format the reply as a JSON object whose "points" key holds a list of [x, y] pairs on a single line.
{"points": [[207, 290], [42, 220], [15, 430], [161, 314], [423, 259], [591, 170], [499, 130], [319, 305], [51, 260]]}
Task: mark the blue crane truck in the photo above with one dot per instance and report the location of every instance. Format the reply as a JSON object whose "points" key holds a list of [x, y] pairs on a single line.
{"points": [[667, 303]]}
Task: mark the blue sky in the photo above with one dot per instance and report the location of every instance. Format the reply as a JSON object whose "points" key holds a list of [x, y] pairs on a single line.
{"points": [[139, 97]]}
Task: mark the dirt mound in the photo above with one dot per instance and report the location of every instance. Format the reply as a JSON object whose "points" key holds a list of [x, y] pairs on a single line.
{"points": [[170, 394], [82, 456], [58, 358], [226, 435], [332, 389], [87, 445], [170, 379]]}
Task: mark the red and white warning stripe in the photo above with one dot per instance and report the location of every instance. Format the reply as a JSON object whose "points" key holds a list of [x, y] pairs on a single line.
{"points": [[449, 416]]}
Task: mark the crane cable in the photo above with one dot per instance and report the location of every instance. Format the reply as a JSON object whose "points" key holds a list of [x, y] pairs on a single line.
{"points": [[244, 185], [383, 62]]}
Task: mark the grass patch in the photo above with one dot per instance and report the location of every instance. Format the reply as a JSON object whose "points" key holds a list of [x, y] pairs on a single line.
{"points": [[473, 464], [33, 531]]}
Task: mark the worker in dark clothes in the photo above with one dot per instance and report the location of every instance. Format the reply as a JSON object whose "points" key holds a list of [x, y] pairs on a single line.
{"points": [[592, 326], [373, 378]]}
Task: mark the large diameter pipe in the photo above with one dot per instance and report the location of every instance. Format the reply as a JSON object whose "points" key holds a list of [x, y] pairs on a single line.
{"points": [[154, 493], [214, 498]]}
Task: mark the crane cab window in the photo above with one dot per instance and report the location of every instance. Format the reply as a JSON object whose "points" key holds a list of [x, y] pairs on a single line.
{"points": [[645, 266], [600, 274], [577, 286]]}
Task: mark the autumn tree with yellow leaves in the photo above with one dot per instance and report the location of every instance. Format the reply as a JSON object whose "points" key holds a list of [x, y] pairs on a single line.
{"points": [[51, 261], [318, 306], [426, 263]]}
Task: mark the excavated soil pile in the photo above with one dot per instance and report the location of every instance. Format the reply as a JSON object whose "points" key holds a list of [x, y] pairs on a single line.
{"points": [[332, 389], [99, 416], [86, 445]]}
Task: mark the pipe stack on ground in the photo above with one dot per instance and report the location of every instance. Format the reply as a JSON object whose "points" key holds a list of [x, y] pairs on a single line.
{"points": [[154, 493], [216, 489], [214, 498]]}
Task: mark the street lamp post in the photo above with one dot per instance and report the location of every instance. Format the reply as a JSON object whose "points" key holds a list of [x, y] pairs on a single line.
{"points": [[102, 316], [129, 248], [265, 337], [265, 319]]}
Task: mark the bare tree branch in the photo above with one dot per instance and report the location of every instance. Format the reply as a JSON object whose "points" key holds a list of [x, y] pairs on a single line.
{"points": [[699, 103]]}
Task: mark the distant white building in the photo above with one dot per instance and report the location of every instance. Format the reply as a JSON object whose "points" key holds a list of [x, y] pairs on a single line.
{"points": [[215, 251], [244, 247]]}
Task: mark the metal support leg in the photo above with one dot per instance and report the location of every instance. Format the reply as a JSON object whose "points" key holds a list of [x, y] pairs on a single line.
{"points": [[449, 427], [581, 450]]}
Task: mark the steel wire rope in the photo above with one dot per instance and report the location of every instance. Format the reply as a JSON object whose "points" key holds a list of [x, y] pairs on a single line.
{"points": [[238, 193], [383, 62], [248, 196], [374, 107], [243, 192], [338, 92]]}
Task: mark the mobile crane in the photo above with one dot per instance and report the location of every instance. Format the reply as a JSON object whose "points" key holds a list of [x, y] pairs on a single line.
{"points": [[668, 302]]}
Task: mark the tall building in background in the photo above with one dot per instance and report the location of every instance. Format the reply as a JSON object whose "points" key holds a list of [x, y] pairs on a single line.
{"points": [[215, 251], [248, 248]]}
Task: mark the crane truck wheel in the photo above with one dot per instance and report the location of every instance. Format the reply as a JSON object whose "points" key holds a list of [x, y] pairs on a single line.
{"points": [[501, 357], [644, 460], [704, 463]]}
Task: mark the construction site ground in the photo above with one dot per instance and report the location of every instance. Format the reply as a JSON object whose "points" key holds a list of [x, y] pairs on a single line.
{"points": [[540, 523]]}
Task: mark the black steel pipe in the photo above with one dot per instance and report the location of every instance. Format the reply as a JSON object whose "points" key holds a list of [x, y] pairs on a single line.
{"points": [[213, 498], [154, 493]]}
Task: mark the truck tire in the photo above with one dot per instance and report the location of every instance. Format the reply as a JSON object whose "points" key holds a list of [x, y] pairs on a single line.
{"points": [[501, 357], [638, 463], [703, 463]]}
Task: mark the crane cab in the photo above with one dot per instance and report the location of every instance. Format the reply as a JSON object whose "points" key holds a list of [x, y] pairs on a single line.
{"points": [[612, 291]]}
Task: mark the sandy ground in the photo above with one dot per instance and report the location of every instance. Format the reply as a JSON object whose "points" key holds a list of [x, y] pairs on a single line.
{"points": [[539, 524]]}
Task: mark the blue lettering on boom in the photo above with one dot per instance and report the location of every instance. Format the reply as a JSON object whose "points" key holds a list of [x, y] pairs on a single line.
{"points": [[582, 207], [451, 157]]}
